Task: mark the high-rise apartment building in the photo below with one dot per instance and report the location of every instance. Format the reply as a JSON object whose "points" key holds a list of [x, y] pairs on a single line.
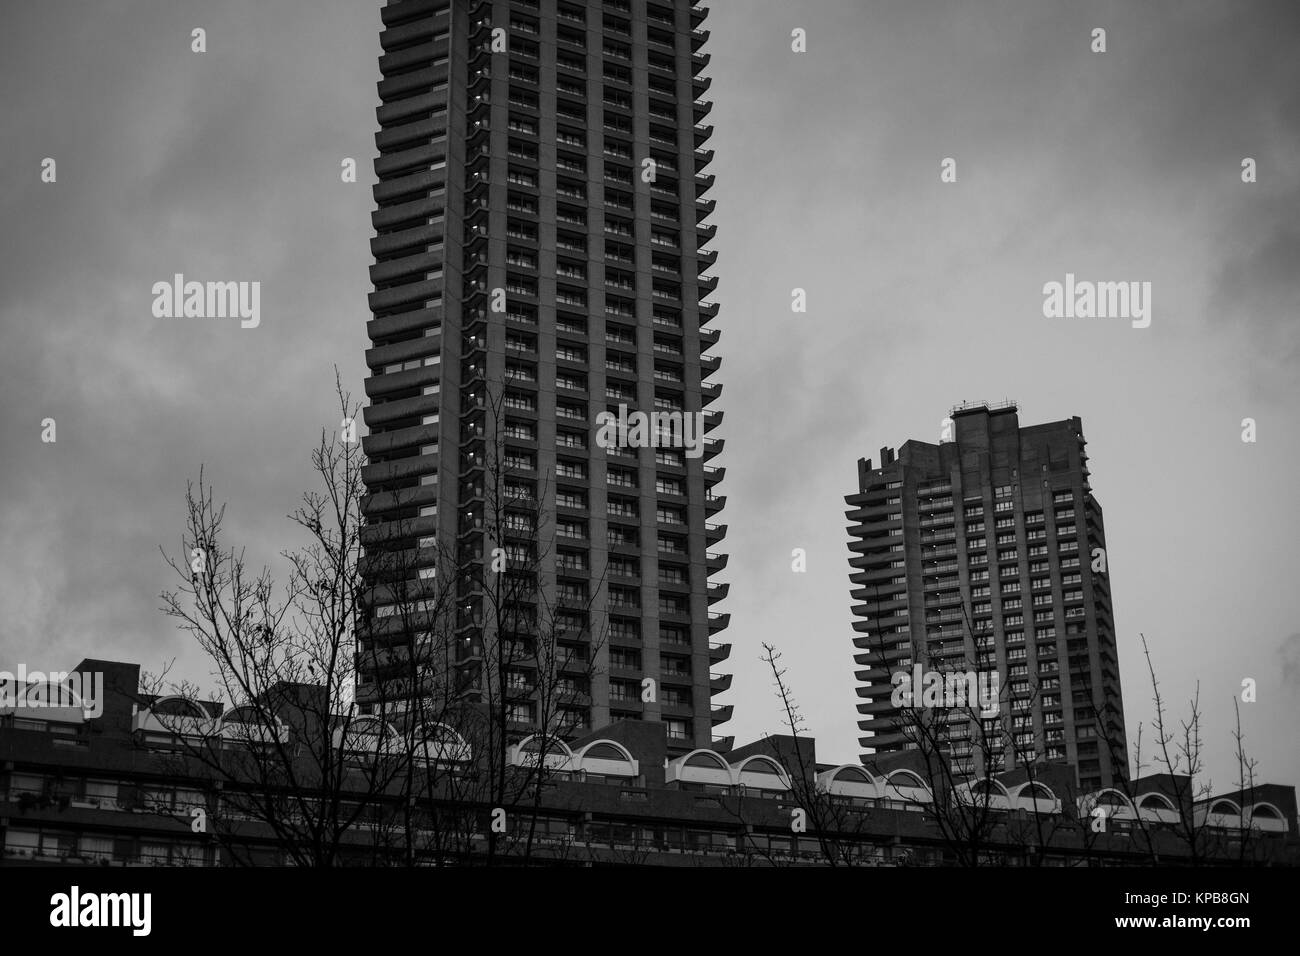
{"points": [[540, 258], [988, 548]]}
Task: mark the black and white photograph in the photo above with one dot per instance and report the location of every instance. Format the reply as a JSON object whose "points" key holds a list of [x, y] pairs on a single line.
{"points": [[574, 450]]}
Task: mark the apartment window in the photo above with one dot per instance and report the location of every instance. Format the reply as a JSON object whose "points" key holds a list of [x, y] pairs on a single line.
{"points": [[623, 567], [669, 486], [621, 478], [624, 658], [572, 412], [677, 729], [673, 459], [671, 604], [627, 598], [663, 237], [571, 529], [670, 515], [622, 507], [679, 666], [671, 545], [571, 499], [623, 629], [571, 561]]}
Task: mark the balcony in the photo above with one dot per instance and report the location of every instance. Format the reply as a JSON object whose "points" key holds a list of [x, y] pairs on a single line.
{"points": [[715, 562], [707, 284], [720, 713], [709, 364], [714, 503], [718, 652], [718, 683], [709, 338], [717, 592], [719, 622]]}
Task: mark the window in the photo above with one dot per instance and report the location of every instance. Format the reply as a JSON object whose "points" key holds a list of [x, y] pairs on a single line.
{"points": [[672, 545], [671, 604], [623, 568], [571, 561], [625, 658], [669, 486], [667, 515]]}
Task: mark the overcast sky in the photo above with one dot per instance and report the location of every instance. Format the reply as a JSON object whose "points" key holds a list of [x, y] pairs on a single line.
{"points": [[1116, 166]]}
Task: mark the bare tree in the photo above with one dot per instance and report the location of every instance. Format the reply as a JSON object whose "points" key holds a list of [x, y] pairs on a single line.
{"points": [[287, 756], [838, 826]]}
